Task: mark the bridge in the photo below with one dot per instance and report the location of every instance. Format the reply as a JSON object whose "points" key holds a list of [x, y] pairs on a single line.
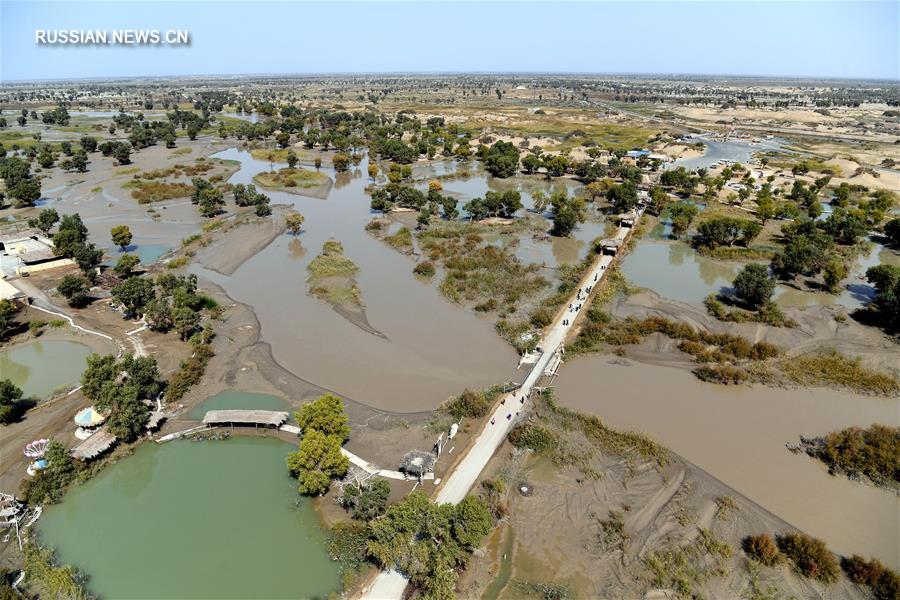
{"points": [[389, 585]]}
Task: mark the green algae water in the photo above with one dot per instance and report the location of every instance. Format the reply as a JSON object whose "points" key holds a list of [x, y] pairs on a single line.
{"points": [[39, 368], [231, 400], [194, 520]]}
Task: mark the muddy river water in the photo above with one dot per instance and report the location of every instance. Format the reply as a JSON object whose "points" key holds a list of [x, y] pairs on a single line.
{"points": [[738, 434], [431, 349]]}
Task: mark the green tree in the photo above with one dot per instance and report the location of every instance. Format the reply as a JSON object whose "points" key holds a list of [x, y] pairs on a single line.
{"points": [[682, 215], [886, 279], [10, 395], [325, 414], [294, 222], [75, 289], [88, 257], [366, 501], [317, 461], [834, 272], [8, 310], [624, 196], [341, 162], [133, 294], [292, 159], [125, 265], [121, 236], [45, 220], [122, 154], [158, 315], [754, 285], [567, 213], [186, 321]]}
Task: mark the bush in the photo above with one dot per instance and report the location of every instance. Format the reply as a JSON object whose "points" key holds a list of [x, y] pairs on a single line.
{"points": [[469, 404], [762, 548], [532, 436], [810, 557], [721, 374], [425, 269], [884, 583]]}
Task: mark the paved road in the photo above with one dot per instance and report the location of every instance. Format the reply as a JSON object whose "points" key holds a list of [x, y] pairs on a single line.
{"points": [[389, 585]]}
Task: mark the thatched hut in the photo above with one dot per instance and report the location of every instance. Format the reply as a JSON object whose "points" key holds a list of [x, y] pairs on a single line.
{"points": [[417, 463]]}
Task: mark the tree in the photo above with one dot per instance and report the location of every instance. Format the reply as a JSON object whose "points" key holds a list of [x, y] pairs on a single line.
{"points": [[10, 394], [623, 196], [317, 162], [325, 414], [88, 257], [121, 236], [8, 310], [317, 461], [892, 231], [75, 289], [834, 272], [122, 154], [292, 159], [726, 231], [127, 414], [88, 143], [186, 321], [886, 279], [125, 265], [341, 162], [294, 221], [501, 159], [682, 215], [754, 285], [567, 213], [70, 235], [367, 500], [133, 294], [158, 314], [283, 138], [45, 220]]}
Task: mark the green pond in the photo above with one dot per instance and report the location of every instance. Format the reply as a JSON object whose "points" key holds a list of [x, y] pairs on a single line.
{"points": [[194, 520], [237, 400], [40, 368]]}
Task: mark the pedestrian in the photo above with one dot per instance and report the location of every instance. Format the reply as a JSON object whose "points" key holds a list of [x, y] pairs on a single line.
{"points": [[514, 393], [595, 276], [493, 420], [503, 401], [509, 416], [522, 401]]}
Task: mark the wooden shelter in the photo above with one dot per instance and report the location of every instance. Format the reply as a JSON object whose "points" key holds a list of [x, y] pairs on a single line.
{"points": [[94, 446], [266, 418]]}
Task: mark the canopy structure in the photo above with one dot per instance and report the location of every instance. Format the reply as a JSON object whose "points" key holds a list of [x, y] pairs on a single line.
{"points": [[89, 417], [36, 449]]}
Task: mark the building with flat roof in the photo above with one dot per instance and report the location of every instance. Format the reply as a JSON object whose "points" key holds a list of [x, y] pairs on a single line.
{"points": [[21, 254]]}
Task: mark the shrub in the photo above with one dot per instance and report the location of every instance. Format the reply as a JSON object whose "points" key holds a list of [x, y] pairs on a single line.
{"points": [[533, 436], [425, 269], [810, 557], [469, 404], [762, 548], [721, 374]]}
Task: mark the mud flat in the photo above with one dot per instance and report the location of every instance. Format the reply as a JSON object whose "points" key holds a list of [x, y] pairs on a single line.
{"points": [[738, 435]]}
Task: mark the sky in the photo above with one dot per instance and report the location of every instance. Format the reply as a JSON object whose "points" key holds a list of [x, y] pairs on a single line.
{"points": [[799, 38]]}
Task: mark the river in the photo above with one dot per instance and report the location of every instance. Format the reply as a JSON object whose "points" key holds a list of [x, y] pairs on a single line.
{"points": [[738, 434]]}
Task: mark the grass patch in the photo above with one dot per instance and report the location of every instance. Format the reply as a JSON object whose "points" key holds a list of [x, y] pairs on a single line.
{"points": [[402, 240], [290, 178], [128, 171], [477, 272], [770, 314], [331, 276], [146, 192], [96, 190], [831, 368], [182, 151], [177, 263]]}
